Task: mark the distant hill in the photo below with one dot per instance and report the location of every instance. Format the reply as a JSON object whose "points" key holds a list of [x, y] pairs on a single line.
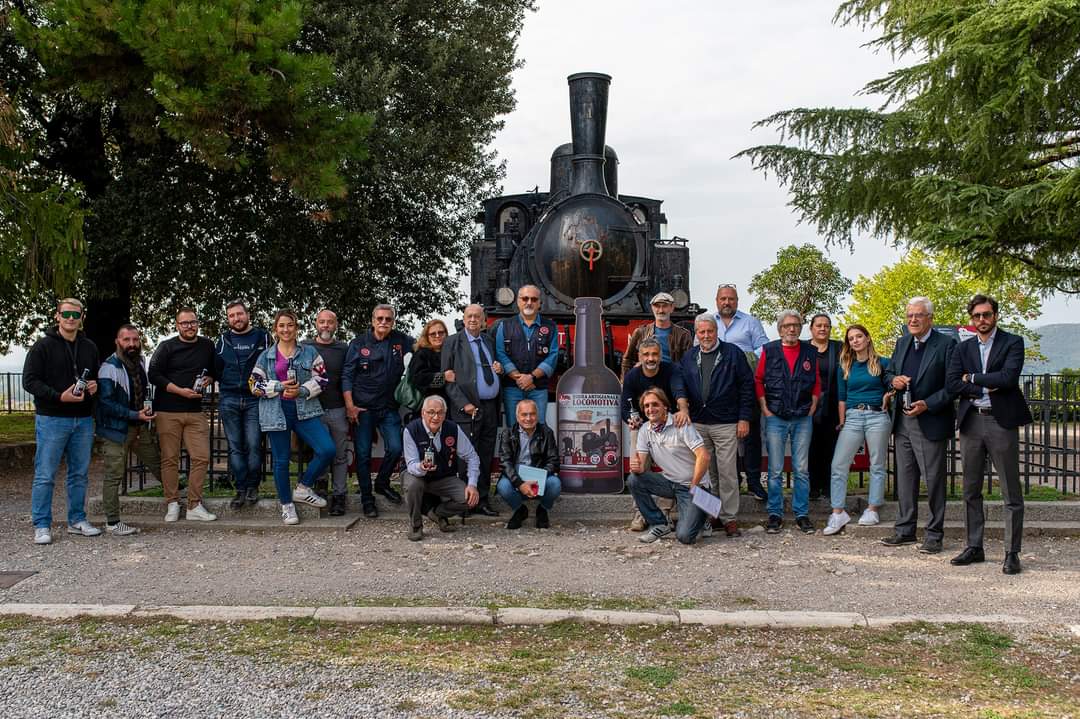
{"points": [[1061, 345]]}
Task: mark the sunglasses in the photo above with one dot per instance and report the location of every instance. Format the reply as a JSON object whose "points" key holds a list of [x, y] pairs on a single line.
{"points": [[529, 299], [384, 320], [981, 315], [437, 333], [71, 314]]}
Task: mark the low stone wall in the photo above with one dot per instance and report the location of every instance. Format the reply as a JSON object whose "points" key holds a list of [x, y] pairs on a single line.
{"points": [[19, 455]]}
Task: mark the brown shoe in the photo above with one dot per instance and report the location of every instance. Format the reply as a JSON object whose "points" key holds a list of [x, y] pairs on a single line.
{"points": [[638, 524], [732, 529]]}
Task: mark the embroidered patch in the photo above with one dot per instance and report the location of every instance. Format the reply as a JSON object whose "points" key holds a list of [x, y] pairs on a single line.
{"points": [[544, 330], [365, 351], [449, 441], [544, 349], [806, 365]]}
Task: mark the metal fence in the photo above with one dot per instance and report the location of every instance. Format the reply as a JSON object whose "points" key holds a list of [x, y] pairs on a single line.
{"points": [[1049, 446]]}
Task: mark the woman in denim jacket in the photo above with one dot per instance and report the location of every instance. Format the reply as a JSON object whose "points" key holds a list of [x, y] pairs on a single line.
{"points": [[287, 379]]}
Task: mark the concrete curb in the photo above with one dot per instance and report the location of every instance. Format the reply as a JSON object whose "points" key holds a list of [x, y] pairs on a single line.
{"points": [[507, 616]]}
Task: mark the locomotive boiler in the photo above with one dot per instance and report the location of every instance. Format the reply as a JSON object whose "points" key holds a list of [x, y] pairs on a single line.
{"points": [[581, 238]]}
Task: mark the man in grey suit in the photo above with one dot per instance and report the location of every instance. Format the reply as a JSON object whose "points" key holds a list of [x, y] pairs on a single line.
{"points": [[923, 422], [985, 373], [474, 395]]}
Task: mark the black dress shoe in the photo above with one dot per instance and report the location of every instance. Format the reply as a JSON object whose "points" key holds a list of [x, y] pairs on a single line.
{"points": [[442, 522], [518, 517], [252, 495], [898, 540], [1012, 563], [237, 502], [370, 510], [337, 505], [389, 493], [930, 546], [755, 488], [485, 509], [542, 521], [971, 555]]}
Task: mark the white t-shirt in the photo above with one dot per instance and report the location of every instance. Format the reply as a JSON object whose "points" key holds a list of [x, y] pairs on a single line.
{"points": [[673, 449]]}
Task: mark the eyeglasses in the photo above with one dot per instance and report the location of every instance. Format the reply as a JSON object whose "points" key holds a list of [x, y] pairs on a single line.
{"points": [[982, 315], [434, 412], [71, 314], [917, 316], [791, 326], [384, 320], [529, 299], [437, 333], [188, 323]]}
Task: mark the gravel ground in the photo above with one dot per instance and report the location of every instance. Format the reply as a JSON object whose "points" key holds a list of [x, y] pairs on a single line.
{"points": [[375, 563]]}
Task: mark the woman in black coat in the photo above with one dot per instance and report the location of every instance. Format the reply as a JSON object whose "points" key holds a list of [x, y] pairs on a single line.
{"points": [[827, 416], [424, 373]]}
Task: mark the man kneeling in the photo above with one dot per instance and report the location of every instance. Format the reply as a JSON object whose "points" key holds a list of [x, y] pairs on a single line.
{"points": [[528, 445], [681, 453], [432, 445]]}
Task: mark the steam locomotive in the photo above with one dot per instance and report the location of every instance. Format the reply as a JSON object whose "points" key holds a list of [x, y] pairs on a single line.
{"points": [[581, 238]]}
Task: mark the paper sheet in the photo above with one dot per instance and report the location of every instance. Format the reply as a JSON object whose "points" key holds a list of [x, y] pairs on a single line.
{"points": [[706, 501]]}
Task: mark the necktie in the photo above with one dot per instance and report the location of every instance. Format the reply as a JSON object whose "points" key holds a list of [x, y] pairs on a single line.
{"points": [[918, 344], [485, 363]]}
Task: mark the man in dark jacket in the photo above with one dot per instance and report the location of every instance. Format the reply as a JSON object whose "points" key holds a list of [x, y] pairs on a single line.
{"points": [[236, 352], [714, 387], [124, 422], [373, 367], [531, 444], [674, 340], [985, 372], [61, 373]]}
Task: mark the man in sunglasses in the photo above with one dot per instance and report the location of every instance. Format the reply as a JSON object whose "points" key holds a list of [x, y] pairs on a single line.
{"points": [[61, 373], [527, 347], [985, 372], [374, 364]]}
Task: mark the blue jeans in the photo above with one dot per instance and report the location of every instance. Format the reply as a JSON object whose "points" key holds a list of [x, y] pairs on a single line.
{"points": [[643, 486], [514, 498], [56, 438], [389, 424], [512, 395], [777, 433], [315, 435], [240, 419], [861, 425]]}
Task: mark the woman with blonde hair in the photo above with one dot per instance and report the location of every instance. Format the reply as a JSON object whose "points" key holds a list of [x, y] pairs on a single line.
{"points": [[424, 367], [863, 397]]}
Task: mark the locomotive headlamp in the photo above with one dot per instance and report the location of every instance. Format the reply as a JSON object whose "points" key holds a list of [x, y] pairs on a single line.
{"points": [[504, 296], [681, 298]]}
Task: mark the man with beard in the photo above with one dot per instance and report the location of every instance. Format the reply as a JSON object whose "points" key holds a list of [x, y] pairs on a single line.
{"points": [[745, 332], [124, 422], [333, 350], [673, 340], [527, 347], [235, 355]]}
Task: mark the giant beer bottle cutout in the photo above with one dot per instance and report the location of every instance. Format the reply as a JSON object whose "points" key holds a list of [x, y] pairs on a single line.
{"points": [[590, 445]]}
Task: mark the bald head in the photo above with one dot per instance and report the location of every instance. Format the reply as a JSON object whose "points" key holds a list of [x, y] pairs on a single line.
{"points": [[474, 319]]}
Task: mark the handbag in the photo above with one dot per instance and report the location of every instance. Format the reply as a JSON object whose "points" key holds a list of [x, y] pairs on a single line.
{"points": [[406, 395]]}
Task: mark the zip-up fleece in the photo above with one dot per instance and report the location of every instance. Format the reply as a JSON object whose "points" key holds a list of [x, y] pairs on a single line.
{"points": [[52, 365]]}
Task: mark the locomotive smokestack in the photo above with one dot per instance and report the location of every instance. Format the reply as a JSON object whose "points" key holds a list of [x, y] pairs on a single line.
{"points": [[588, 125]]}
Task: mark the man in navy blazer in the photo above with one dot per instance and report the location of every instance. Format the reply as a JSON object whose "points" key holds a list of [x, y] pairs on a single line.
{"points": [[923, 422], [985, 373]]}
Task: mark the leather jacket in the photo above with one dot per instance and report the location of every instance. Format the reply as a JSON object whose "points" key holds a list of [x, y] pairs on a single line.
{"points": [[542, 449]]}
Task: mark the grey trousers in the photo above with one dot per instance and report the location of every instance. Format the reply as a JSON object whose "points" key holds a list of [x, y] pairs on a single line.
{"points": [[917, 456], [981, 434], [449, 490], [337, 422], [723, 444]]}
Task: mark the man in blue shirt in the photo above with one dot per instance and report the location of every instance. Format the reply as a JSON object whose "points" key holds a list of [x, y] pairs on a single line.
{"points": [[527, 346], [746, 333]]}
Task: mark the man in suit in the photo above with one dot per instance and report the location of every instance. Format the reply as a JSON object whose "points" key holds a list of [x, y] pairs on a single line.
{"points": [[474, 395], [985, 373], [923, 421]]}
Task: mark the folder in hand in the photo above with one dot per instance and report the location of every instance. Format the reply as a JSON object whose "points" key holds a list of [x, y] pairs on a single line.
{"points": [[534, 474]]}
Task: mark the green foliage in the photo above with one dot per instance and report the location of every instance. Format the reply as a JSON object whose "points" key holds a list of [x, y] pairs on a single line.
{"points": [[974, 150], [802, 279], [878, 302]]}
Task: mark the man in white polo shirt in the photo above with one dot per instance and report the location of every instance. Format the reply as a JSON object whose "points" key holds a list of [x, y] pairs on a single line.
{"points": [[681, 453]]}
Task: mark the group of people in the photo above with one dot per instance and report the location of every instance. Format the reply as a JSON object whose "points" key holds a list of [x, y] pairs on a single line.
{"points": [[695, 400]]}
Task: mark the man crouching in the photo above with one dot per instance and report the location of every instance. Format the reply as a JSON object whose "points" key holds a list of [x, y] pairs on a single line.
{"points": [[432, 446], [685, 461]]}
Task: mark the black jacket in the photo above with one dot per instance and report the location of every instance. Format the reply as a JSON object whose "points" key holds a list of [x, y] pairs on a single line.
{"points": [[52, 366], [425, 372], [938, 422], [1003, 367], [828, 406], [542, 448]]}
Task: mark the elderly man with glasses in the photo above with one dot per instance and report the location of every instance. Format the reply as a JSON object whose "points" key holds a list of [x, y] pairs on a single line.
{"points": [[433, 445], [373, 367], [527, 347]]}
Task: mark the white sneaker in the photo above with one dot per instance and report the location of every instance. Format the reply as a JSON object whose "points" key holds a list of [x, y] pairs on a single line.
{"points": [[655, 532], [84, 529], [42, 535], [288, 514], [173, 512], [705, 531], [200, 514], [836, 523], [305, 494], [120, 529], [869, 518]]}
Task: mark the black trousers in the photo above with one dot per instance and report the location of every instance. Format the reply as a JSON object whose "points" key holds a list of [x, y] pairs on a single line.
{"points": [[822, 448], [483, 433]]}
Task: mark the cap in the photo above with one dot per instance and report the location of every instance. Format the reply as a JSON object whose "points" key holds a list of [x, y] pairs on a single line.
{"points": [[662, 297]]}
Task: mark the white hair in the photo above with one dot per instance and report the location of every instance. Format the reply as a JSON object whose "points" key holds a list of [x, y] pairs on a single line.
{"points": [[924, 301], [784, 314], [434, 399], [705, 317]]}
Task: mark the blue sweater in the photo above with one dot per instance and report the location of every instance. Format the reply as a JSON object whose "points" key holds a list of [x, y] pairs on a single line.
{"points": [[861, 387]]}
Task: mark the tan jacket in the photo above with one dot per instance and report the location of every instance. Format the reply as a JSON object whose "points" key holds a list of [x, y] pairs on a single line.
{"points": [[679, 341]]}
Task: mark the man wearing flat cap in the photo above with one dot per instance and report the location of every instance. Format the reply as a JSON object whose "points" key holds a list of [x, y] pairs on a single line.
{"points": [[674, 340]]}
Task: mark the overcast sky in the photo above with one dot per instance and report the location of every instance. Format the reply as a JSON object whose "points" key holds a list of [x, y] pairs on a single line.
{"points": [[689, 79]]}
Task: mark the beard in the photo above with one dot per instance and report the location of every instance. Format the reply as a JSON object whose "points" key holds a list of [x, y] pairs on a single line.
{"points": [[326, 335], [132, 355], [241, 328], [727, 312], [662, 316], [650, 366]]}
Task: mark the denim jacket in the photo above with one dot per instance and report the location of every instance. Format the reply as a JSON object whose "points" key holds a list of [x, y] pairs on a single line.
{"points": [[310, 373]]}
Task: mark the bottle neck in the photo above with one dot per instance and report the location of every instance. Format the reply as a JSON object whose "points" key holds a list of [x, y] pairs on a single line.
{"points": [[588, 332]]}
